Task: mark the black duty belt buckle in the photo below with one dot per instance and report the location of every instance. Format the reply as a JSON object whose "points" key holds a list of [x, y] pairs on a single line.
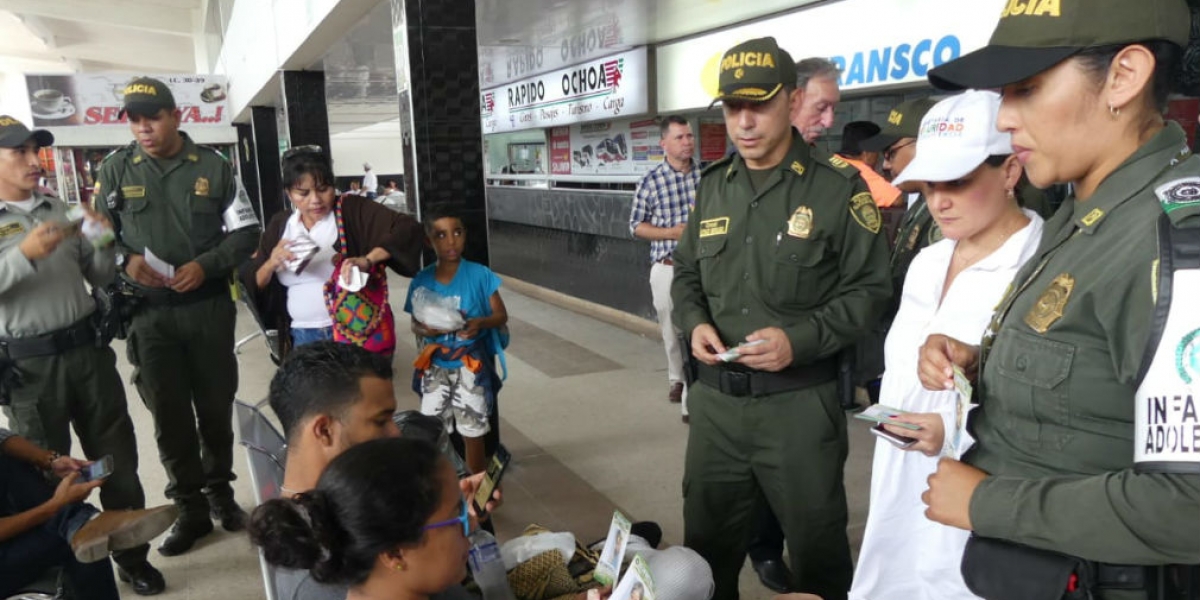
{"points": [[735, 383]]}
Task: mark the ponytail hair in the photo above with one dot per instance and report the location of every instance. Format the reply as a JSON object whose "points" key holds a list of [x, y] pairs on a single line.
{"points": [[371, 499]]}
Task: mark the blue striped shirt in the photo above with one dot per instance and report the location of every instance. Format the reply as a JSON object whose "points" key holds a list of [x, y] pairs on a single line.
{"points": [[663, 199]]}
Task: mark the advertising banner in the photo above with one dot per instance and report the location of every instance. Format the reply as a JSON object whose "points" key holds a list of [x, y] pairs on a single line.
{"points": [[94, 100], [614, 148], [600, 89]]}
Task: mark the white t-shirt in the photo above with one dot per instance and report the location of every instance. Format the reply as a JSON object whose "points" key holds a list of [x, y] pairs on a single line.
{"points": [[905, 556], [24, 205], [370, 182], [306, 291]]}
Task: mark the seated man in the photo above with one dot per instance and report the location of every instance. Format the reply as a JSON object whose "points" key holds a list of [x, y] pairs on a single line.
{"points": [[329, 397], [43, 527]]}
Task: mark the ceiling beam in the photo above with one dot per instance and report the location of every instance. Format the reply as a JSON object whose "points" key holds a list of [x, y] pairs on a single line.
{"points": [[128, 15], [133, 54]]}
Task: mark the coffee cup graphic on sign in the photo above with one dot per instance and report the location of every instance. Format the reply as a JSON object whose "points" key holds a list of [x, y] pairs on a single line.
{"points": [[51, 104]]}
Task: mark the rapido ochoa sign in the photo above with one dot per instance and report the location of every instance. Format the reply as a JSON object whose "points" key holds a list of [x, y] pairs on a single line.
{"points": [[600, 89]]}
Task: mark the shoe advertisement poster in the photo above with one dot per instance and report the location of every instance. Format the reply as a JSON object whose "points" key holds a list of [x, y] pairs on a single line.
{"points": [[615, 148], [609, 567]]}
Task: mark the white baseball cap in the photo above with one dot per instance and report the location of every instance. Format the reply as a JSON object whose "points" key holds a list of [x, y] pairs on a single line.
{"points": [[956, 136]]}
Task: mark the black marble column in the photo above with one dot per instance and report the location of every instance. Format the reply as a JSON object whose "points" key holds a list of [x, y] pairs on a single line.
{"points": [[307, 113], [438, 75], [247, 165], [266, 158]]}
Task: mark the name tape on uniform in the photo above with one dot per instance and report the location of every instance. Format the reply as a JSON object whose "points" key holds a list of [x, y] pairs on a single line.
{"points": [[711, 227]]}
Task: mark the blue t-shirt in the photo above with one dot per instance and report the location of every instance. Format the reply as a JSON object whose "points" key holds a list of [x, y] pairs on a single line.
{"points": [[470, 292]]}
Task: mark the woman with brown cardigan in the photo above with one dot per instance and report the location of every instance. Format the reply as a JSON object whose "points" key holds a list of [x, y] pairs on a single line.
{"points": [[285, 278]]}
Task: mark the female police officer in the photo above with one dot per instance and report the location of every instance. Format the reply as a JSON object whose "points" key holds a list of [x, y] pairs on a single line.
{"points": [[1084, 84]]}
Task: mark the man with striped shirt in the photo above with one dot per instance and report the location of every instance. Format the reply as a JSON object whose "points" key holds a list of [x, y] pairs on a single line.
{"points": [[660, 211]]}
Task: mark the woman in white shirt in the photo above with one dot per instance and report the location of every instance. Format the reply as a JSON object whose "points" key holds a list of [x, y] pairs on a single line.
{"points": [[968, 173]]}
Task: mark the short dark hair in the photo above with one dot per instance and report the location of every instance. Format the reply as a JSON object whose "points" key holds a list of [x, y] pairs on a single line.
{"points": [[813, 68], [372, 498], [853, 134], [440, 211], [316, 164], [322, 378], [1096, 61], [665, 123]]}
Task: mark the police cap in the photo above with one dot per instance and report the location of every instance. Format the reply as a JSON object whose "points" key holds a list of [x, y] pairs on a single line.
{"points": [[146, 96], [904, 121], [14, 134], [1034, 35], [754, 71]]}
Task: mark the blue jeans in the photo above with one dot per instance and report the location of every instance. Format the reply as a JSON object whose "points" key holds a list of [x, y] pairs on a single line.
{"points": [[27, 557], [301, 337]]}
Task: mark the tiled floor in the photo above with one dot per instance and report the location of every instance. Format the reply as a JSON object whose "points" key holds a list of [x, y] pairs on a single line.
{"points": [[585, 415]]}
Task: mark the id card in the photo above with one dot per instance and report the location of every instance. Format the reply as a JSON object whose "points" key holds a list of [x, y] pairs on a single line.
{"points": [[609, 566], [636, 584], [960, 440], [878, 413]]}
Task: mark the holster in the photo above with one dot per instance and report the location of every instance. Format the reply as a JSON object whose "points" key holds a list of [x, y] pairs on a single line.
{"points": [[116, 304], [1001, 570], [10, 380]]}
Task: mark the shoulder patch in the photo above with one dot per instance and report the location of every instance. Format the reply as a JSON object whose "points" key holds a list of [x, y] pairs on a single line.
{"points": [[1179, 193], [864, 211]]}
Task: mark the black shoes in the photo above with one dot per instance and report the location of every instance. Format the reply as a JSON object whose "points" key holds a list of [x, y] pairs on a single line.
{"points": [[231, 516], [184, 533], [773, 574], [145, 579]]}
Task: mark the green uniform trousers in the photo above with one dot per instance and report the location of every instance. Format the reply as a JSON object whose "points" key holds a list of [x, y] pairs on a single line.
{"points": [[82, 388], [186, 373], [788, 448]]}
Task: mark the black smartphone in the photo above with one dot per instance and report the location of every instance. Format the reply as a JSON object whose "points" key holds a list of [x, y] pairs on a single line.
{"points": [[97, 470], [491, 478], [899, 441]]}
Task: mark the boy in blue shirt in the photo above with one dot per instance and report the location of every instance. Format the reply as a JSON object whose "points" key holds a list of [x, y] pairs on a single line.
{"points": [[455, 371]]}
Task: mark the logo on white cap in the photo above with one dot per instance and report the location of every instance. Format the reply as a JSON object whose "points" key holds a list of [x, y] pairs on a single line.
{"points": [[956, 136]]}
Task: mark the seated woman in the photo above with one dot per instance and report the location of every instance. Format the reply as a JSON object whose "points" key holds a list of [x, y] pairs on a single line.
{"points": [[290, 295], [968, 172], [387, 518]]}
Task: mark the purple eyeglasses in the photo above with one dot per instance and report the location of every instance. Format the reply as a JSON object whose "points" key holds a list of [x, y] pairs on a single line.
{"points": [[464, 518]]}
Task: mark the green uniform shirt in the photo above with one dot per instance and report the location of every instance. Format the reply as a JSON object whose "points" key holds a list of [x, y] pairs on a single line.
{"points": [[175, 207], [1055, 425], [803, 254], [40, 297]]}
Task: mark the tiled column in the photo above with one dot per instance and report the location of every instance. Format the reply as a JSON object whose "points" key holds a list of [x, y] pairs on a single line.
{"points": [[265, 150], [437, 75], [304, 105]]}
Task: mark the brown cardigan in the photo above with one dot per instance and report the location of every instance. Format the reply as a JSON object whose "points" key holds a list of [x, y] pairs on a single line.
{"points": [[368, 225]]}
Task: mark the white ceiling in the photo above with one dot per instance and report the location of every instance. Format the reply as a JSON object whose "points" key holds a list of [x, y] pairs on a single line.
{"points": [[98, 35]]}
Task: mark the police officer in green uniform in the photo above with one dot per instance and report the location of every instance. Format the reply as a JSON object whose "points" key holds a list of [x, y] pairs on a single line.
{"points": [[61, 374], [1084, 85], [783, 251], [180, 203]]}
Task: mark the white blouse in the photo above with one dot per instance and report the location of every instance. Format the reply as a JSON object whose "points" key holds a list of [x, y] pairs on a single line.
{"points": [[904, 555], [306, 291]]}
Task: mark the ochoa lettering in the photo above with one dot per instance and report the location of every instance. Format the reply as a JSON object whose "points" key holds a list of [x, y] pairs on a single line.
{"points": [[896, 63], [526, 94], [582, 81]]}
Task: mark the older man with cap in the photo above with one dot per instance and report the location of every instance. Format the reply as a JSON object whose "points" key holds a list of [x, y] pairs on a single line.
{"points": [[54, 372], [183, 224], [781, 267]]}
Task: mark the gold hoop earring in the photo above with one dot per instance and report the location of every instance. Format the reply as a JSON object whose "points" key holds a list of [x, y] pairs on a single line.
{"points": [[1114, 111]]}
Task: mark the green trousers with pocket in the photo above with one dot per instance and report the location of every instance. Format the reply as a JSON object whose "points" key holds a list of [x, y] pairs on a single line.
{"points": [[789, 448]]}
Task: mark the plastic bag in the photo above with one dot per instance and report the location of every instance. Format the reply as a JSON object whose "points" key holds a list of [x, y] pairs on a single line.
{"points": [[521, 549], [436, 311]]}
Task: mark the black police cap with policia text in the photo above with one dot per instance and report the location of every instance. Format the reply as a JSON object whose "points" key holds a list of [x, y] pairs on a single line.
{"points": [[754, 71], [904, 121], [1034, 35], [14, 134], [146, 96]]}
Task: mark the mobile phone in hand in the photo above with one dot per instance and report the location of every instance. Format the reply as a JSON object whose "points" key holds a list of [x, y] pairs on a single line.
{"points": [[899, 441], [97, 470], [491, 478]]}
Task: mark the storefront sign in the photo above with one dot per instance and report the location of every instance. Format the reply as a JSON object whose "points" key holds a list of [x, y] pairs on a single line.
{"points": [[94, 100], [598, 36], [885, 44], [600, 89]]}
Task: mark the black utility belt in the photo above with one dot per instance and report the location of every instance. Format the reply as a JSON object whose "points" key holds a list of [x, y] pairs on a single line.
{"points": [[157, 298], [740, 382], [82, 333]]}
